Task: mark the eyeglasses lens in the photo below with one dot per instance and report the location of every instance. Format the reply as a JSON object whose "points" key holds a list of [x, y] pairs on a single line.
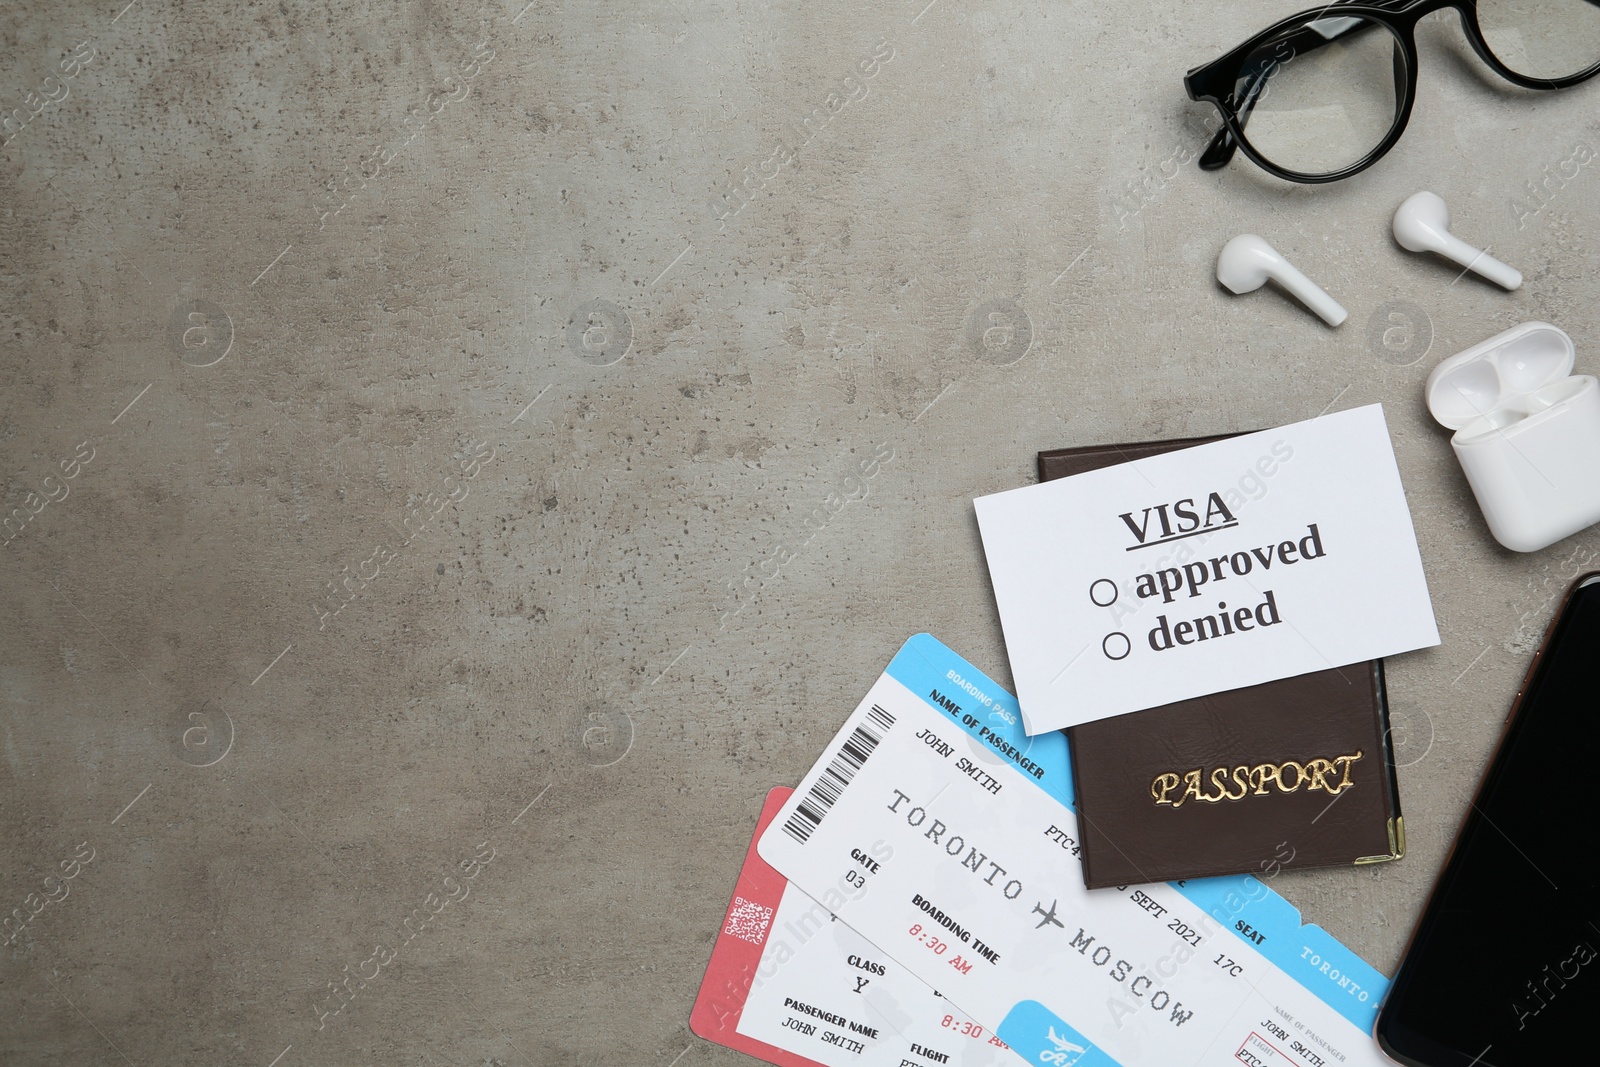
{"points": [[1321, 96], [1542, 38]]}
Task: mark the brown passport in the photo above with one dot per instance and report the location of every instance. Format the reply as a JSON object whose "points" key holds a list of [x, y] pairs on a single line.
{"points": [[1293, 773]]}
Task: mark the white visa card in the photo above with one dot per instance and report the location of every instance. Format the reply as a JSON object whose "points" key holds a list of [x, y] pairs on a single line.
{"points": [[975, 886], [1263, 556], [790, 984]]}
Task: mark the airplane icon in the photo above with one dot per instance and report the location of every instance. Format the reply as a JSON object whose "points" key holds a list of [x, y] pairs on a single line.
{"points": [[1049, 916]]}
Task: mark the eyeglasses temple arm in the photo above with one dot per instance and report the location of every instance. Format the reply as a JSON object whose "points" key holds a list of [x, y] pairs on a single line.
{"points": [[1220, 151]]}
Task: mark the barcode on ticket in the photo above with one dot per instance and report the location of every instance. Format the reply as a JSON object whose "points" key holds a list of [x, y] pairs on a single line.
{"points": [[829, 786]]}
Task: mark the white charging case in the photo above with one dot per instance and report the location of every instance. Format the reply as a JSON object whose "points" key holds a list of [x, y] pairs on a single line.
{"points": [[1527, 433]]}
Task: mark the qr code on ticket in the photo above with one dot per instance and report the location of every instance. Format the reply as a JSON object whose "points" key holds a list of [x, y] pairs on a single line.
{"points": [[748, 920]]}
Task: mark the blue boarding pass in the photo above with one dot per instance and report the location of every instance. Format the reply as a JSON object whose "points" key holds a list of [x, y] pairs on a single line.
{"points": [[955, 833]]}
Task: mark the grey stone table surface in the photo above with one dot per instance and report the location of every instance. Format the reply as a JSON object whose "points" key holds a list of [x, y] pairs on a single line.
{"points": [[429, 436]]}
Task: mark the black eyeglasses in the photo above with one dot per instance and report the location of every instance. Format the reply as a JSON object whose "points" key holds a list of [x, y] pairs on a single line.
{"points": [[1324, 94]]}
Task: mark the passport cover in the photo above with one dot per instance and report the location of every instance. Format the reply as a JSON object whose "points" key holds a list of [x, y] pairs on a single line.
{"points": [[1242, 782]]}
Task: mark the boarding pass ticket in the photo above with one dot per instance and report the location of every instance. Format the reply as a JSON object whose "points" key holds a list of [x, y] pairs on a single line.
{"points": [[959, 828], [790, 984]]}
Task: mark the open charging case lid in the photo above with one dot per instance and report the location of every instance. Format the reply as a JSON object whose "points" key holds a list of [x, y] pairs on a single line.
{"points": [[1504, 381]]}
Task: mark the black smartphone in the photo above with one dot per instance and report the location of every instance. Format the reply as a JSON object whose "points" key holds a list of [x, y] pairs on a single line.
{"points": [[1504, 966]]}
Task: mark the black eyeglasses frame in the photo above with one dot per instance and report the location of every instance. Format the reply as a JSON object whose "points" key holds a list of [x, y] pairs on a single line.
{"points": [[1216, 82]]}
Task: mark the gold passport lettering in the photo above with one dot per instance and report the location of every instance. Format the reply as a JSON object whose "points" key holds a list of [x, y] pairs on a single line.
{"points": [[1235, 783]]}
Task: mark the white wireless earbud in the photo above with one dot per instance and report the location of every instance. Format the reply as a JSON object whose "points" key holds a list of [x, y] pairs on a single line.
{"points": [[1422, 224], [1247, 261]]}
